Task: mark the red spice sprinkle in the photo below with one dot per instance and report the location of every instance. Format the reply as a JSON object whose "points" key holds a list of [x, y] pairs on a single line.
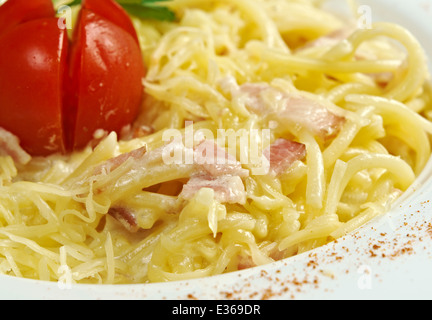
{"points": [[402, 241]]}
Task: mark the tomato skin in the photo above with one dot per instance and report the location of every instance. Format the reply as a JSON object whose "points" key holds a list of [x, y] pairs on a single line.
{"points": [[112, 11], [106, 71], [15, 12], [32, 70]]}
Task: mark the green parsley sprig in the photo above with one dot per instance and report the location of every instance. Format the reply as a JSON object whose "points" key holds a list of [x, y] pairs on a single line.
{"points": [[144, 9]]}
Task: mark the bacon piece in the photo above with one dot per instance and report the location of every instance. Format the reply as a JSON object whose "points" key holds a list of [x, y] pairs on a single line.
{"points": [[283, 153], [278, 255], [382, 79], [228, 189], [215, 161], [294, 109], [126, 217], [331, 39], [245, 262], [218, 170], [10, 146], [311, 115], [255, 101], [116, 162]]}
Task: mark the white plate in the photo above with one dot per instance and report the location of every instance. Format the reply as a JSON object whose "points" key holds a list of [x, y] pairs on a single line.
{"points": [[389, 258]]}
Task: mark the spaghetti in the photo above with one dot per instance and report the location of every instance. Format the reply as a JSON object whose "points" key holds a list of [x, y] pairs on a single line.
{"points": [[338, 115]]}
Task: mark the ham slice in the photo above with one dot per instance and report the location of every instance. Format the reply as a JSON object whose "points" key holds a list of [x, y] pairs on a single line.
{"points": [[217, 170], [114, 163], [245, 262], [227, 189], [126, 217], [283, 153], [331, 39], [10, 146], [311, 115], [215, 161], [294, 109]]}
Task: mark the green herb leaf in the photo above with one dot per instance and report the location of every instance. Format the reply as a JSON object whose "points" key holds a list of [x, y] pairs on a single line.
{"points": [[74, 3], [150, 12], [144, 9]]}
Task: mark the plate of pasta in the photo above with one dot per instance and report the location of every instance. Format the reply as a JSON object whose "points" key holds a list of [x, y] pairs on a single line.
{"points": [[241, 149]]}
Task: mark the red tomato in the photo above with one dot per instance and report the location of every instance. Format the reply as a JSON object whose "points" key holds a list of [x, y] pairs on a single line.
{"points": [[15, 12], [32, 67], [113, 12], [54, 98], [106, 71]]}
